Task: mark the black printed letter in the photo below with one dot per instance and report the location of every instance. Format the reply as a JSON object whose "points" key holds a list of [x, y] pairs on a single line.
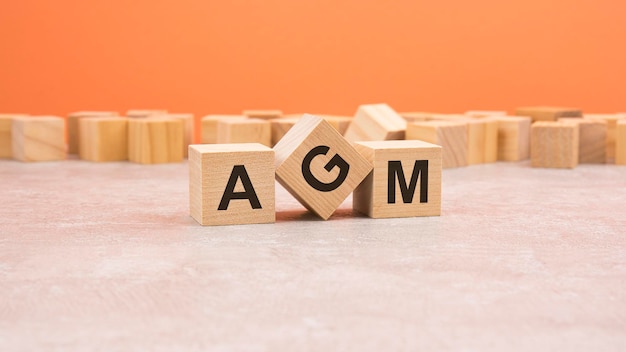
{"points": [[239, 172]]}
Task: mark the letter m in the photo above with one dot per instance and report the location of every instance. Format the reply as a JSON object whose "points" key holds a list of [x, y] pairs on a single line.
{"points": [[395, 171]]}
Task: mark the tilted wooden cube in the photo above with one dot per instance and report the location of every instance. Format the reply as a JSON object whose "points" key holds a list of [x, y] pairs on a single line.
{"points": [[513, 138], [38, 138], [405, 181], [231, 184], [548, 113], [73, 129], [6, 144], [209, 126], [318, 166], [244, 131], [620, 143], [153, 141], [376, 122], [554, 144], [103, 138], [592, 137], [451, 136]]}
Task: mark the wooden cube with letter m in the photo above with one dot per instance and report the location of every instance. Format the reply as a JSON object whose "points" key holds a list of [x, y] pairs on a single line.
{"points": [[405, 181], [231, 184]]}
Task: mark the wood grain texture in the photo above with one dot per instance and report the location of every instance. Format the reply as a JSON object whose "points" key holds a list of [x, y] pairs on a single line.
{"points": [[592, 138], [451, 136], [103, 139], [210, 169], [548, 113], [6, 141], [611, 130], [251, 130], [482, 139], [141, 113], [620, 143], [188, 127], [281, 126], [154, 141], [371, 196], [263, 114], [38, 138], [376, 122], [308, 133], [73, 129], [554, 144], [513, 138], [208, 126], [340, 123]]}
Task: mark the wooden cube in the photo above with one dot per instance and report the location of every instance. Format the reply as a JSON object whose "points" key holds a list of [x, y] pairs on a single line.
{"points": [[38, 138], [591, 140], [340, 123], [547, 113], [482, 139], [263, 114], [153, 141], [415, 116], [376, 122], [188, 127], [103, 139], [318, 166], [244, 131], [611, 131], [73, 130], [513, 138], [6, 123], [281, 126], [620, 143], [554, 144], [405, 181], [209, 126], [141, 113], [451, 136], [231, 184], [485, 113]]}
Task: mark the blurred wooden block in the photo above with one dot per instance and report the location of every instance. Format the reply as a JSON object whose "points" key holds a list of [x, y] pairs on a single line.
{"points": [[620, 143], [244, 131], [513, 138], [548, 113], [103, 139], [376, 122], [38, 138], [140, 113], [231, 184], [73, 131], [450, 135], [592, 140], [318, 166], [263, 114], [340, 123], [482, 139], [611, 131], [188, 127], [209, 126], [485, 113], [405, 181], [281, 126], [415, 116], [153, 141], [6, 123], [554, 144]]}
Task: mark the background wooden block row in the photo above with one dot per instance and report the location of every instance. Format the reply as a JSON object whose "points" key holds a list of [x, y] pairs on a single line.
{"points": [[231, 184], [188, 127], [251, 130], [141, 113], [554, 144], [38, 138], [376, 122], [152, 141], [620, 143], [592, 138], [6, 140], [548, 113], [513, 138], [451, 136], [73, 129], [485, 113], [611, 131], [103, 139], [482, 139], [208, 126], [263, 114]]}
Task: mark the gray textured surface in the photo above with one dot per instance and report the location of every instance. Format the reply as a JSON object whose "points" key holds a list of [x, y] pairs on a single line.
{"points": [[105, 257]]}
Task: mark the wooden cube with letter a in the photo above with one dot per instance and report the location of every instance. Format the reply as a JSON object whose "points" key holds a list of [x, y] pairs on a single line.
{"points": [[405, 181], [318, 166], [38, 138], [231, 184]]}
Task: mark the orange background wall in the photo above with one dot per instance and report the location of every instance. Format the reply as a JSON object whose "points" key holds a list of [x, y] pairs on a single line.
{"points": [[205, 56]]}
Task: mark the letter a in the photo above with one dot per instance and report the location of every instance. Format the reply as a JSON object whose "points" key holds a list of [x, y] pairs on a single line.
{"points": [[395, 168], [239, 172]]}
